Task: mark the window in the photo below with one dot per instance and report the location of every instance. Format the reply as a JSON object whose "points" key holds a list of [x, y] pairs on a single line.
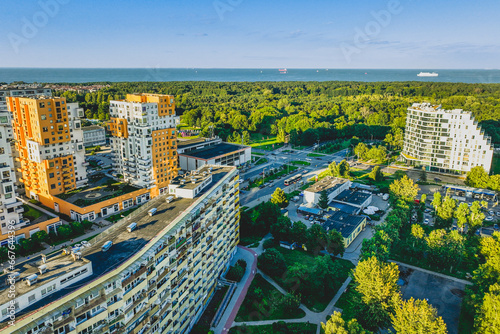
{"points": [[31, 299], [43, 117]]}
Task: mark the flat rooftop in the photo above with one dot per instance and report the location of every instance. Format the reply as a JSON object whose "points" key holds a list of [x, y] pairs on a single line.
{"points": [[469, 189], [215, 151], [92, 127], [99, 189], [344, 207], [126, 244], [183, 143], [56, 265], [193, 179], [343, 223], [328, 183], [352, 196]]}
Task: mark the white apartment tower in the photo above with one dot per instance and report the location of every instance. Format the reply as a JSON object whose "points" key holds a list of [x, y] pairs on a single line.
{"points": [[144, 140], [445, 140]]}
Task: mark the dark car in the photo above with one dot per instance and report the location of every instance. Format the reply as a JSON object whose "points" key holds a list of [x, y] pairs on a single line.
{"points": [[437, 179]]}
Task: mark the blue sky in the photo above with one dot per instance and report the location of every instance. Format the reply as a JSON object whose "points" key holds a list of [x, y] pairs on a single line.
{"points": [[419, 34]]}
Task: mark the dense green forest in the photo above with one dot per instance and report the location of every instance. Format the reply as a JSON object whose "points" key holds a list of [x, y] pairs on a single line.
{"points": [[308, 111]]}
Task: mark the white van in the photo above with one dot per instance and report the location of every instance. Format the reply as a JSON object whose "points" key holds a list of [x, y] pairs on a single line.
{"points": [[152, 211], [169, 199], [131, 227], [107, 245]]}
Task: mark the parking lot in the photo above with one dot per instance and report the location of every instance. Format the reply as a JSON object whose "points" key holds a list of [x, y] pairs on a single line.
{"points": [[445, 294]]}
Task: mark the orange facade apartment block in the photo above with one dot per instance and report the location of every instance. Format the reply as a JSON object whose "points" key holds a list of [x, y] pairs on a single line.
{"points": [[43, 121]]}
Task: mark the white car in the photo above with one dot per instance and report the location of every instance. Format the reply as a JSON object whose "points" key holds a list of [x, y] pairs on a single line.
{"points": [[426, 221], [85, 243], [489, 219]]}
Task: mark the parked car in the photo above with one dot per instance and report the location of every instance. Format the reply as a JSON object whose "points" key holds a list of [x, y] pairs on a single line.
{"points": [[426, 221], [489, 219], [495, 227], [437, 179]]}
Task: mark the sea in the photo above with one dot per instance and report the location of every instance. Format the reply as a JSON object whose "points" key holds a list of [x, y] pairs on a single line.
{"points": [[87, 75]]}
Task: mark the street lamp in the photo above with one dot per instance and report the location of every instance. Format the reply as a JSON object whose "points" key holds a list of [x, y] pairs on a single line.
{"points": [[263, 175]]}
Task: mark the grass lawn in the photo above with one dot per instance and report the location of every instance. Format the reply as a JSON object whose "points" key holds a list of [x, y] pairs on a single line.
{"points": [[273, 177], [315, 155], [361, 176], [307, 185], [303, 163], [298, 256], [257, 153], [266, 307], [31, 213], [261, 161], [495, 164], [268, 143], [397, 254], [466, 320], [250, 240], [347, 302], [209, 313], [299, 327]]}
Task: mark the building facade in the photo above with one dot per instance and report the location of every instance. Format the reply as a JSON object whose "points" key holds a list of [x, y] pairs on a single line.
{"points": [[10, 207], [447, 141], [144, 141], [94, 135], [49, 141], [332, 185], [156, 279], [17, 91]]}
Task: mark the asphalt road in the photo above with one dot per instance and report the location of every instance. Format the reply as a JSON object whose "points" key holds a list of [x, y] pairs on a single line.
{"points": [[278, 158]]}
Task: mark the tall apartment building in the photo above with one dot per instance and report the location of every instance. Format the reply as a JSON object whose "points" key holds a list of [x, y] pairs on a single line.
{"points": [[17, 91], [10, 207], [49, 141], [144, 140], [155, 279], [445, 140]]}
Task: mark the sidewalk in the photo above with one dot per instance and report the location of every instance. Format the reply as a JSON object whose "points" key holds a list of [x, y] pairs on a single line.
{"points": [[232, 308]]}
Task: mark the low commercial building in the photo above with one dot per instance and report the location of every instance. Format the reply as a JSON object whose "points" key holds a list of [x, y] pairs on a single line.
{"points": [[349, 226], [198, 152], [354, 197], [463, 192], [306, 210], [27, 229], [332, 185], [154, 279], [94, 135]]}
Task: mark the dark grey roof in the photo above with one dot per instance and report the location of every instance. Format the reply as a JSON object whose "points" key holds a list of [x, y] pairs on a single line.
{"points": [[343, 222], [214, 151], [352, 196], [347, 208]]}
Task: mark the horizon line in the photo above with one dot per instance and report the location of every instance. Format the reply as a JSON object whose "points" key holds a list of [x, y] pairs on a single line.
{"points": [[248, 68]]}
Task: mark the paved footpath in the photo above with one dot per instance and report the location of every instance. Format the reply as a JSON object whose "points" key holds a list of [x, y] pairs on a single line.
{"points": [[310, 316], [232, 308]]}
